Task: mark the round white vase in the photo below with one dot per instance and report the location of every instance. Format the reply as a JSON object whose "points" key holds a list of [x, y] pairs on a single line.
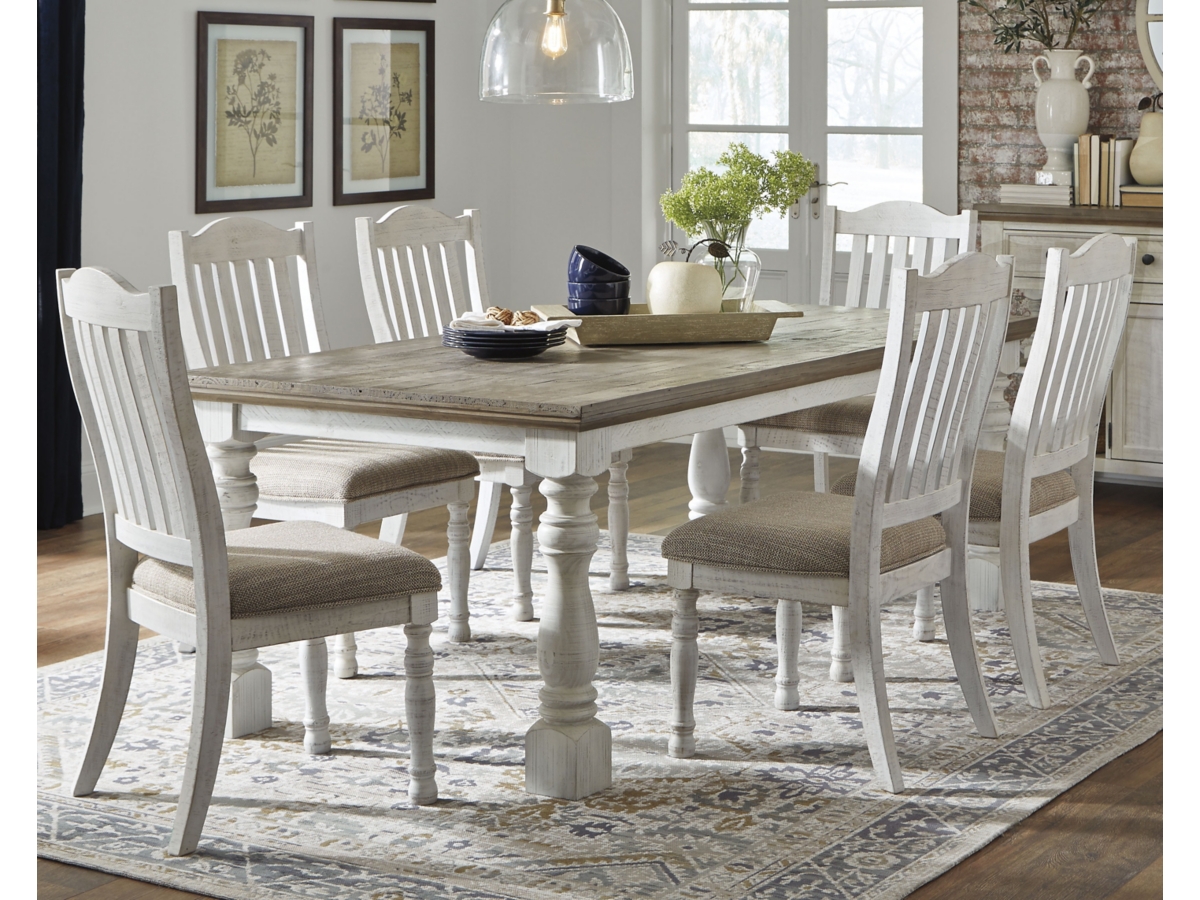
{"points": [[1062, 107], [683, 287], [1146, 160]]}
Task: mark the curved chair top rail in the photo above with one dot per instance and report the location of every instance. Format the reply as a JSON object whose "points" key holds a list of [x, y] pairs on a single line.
{"points": [[933, 390], [412, 276], [895, 234], [238, 301], [126, 361], [1085, 298]]}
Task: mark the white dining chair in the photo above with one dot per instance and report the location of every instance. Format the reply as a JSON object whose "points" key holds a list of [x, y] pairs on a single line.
{"points": [[253, 587], [238, 303], [411, 263], [886, 236], [904, 528], [1042, 482]]}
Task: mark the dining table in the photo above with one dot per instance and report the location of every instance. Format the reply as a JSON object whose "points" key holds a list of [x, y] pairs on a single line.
{"points": [[570, 412]]}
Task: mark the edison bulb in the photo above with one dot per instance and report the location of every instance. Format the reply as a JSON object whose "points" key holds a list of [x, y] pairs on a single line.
{"points": [[554, 36]]}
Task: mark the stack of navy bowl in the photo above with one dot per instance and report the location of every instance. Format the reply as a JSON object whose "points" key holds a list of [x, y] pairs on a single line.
{"points": [[597, 285]]}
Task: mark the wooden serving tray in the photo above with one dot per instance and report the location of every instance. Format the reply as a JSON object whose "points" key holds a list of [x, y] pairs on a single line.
{"points": [[640, 327]]}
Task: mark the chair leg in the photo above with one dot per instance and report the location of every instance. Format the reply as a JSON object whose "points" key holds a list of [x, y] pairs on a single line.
{"points": [[1082, 537], [314, 672], [839, 652], [392, 528], [685, 661], [210, 702], [956, 613], [1018, 610], [789, 622], [487, 508], [749, 474], [821, 473], [618, 525], [866, 654], [120, 651], [458, 565], [419, 707], [923, 629], [345, 656], [521, 542]]}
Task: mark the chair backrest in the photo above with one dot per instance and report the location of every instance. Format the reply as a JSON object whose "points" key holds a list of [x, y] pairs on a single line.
{"points": [[411, 274], [898, 234], [1082, 316], [920, 443], [238, 303], [126, 360]]}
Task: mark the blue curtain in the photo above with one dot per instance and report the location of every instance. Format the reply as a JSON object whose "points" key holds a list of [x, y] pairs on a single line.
{"points": [[60, 190]]}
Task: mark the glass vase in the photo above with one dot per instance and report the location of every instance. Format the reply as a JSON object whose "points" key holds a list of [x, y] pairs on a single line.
{"points": [[739, 272]]}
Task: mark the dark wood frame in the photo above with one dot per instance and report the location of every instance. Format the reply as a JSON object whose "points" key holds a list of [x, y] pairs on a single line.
{"points": [[340, 26], [305, 198]]}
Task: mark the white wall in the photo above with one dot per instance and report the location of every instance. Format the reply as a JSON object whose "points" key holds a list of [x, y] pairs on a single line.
{"points": [[545, 178]]}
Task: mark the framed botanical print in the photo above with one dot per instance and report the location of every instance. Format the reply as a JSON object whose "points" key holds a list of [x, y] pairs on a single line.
{"points": [[382, 110], [254, 101]]}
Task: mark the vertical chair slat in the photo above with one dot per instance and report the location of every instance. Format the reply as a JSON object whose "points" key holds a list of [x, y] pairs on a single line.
{"points": [[954, 362], [858, 263], [459, 302], [120, 426], [266, 308], [287, 310], [146, 465], [438, 289], [231, 316], [425, 299], [947, 445], [875, 282], [928, 348], [1088, 299], [248, 311], [1093, 383], [408, 291], [89, 352], [150, 401], [215, 336], [1067, 334]]}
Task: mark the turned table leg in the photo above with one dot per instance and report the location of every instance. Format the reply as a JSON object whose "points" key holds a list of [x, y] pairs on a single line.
{"points": [[237, 490], [618, 524], [708, 473], [568, 751]]}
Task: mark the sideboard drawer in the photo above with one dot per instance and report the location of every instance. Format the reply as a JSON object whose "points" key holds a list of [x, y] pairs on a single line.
{"points": [[1152, 271], [1029, 248]]}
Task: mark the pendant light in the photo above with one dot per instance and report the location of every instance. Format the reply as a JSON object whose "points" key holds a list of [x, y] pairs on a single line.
{"points": [[556, 51]]}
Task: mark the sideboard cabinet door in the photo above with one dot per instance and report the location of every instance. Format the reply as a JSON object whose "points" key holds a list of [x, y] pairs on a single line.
{"points": [[1136, 395]]}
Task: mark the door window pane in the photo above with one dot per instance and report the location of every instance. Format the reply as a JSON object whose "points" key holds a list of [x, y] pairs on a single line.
{"points": [[874, 67], [769, 232], [738, 67], [876, 167]]}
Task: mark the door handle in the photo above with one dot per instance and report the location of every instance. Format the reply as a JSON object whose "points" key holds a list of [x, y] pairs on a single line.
{"points": [[814, 191]]}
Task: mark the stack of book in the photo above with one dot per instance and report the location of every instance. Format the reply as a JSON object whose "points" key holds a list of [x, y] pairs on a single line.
{"points": [[1101, 169], [1141, 195], [1036, 194]]}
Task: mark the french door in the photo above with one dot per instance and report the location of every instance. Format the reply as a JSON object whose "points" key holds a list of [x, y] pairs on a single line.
{"points": [[866, 89]]}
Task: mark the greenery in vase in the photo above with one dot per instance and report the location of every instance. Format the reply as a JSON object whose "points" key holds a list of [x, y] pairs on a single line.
{"points": [[1017, 21], [721, 205]]}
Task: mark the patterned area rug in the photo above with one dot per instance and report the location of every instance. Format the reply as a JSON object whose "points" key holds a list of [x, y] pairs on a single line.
{"points": [[776, 805]]}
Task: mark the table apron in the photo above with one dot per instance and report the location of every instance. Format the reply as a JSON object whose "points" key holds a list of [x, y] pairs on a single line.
{"points": [[548, 452]]}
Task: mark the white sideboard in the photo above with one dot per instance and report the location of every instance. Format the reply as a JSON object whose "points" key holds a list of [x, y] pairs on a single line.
{"points": [[1133, 439]]}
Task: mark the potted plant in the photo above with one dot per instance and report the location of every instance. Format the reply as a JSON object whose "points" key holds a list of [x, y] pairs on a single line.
{"points": [[720, 206], [1062, 106]]}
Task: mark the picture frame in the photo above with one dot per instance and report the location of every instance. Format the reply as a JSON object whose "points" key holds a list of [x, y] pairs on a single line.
{"points": [[383, 110], [254, 111]]}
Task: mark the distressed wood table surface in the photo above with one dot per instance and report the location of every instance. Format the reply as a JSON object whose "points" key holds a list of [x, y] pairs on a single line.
{"points": [[569, 412]]}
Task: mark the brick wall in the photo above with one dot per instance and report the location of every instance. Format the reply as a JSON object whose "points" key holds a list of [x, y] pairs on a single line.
{"points": [[997, 137]]}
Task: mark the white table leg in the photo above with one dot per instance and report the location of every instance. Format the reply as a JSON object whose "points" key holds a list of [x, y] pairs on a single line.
{"points": [[568, 751], [983, 576], [520, 514], [708, 473], [237, 490]]}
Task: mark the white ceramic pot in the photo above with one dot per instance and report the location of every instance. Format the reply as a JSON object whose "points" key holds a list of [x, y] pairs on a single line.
{"points": [[1062, 106], [683, 287], [1146, 161]]}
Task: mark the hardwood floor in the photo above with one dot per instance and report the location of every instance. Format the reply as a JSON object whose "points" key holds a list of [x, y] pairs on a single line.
{"points": [[1101, 840]]}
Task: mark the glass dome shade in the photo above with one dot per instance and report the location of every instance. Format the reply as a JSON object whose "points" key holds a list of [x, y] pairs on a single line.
{"points": [[555, 52]]}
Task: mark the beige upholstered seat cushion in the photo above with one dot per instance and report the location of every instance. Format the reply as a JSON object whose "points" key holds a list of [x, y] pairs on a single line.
{"points": [[290, 566], [848, 417], [1046, 491], [320, 469], [803, 533]]}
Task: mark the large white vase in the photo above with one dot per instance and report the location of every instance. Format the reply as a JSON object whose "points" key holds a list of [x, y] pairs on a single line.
{"points": [[1062, 109]]}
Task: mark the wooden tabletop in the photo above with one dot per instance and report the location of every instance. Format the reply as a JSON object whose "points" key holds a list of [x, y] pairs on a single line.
{"points": [[571, 387]]}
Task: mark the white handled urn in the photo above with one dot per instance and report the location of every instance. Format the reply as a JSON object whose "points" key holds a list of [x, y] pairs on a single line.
{"points": [[1061, 110], [683, 287]]}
